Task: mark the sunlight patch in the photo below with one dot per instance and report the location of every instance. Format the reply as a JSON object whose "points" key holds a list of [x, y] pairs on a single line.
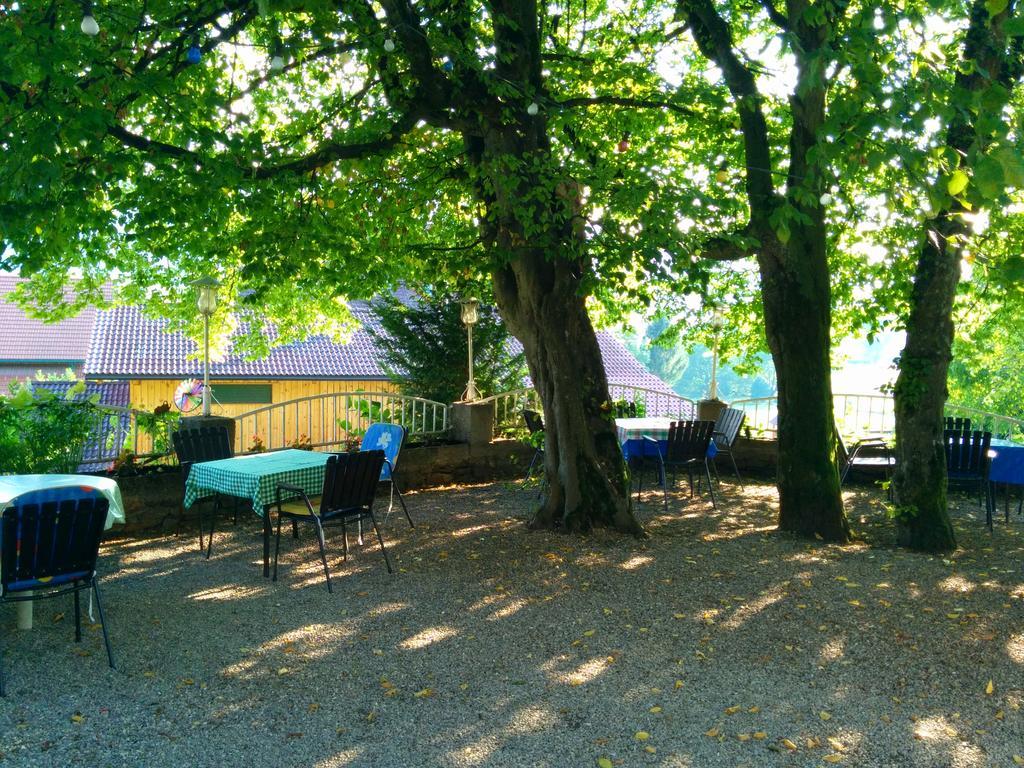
{"points": [[512, 607], [1015, 648], [428, 637], [637, 561], [957, 584]]}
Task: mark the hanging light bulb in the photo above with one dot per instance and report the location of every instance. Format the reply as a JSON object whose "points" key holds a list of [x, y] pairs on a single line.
{"points": [[447, 65], [533, 109], [89, 25], [389, 45], [194, 53]]}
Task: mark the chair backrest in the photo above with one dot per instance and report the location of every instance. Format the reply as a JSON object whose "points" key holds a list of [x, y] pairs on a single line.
{"points": [[689, 440], [202, 444], [967, 453], [388, 438], [47, 540], [534, 422], [957, 423], [727, 426], [350, 481]]}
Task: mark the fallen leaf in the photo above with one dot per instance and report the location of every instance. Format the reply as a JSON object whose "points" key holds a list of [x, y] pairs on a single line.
{"points": [[788, 744], [824, 715], [78, 717], [655, 710], [754, 710], [990, 688], [732, 710], [313, 707], [760, 735], [641, 735], [589, 633], [712, 733], [833, 758], [425, 693], [743, 736], [650, 750], [679, 684], [604, 762], [1018, 759]]}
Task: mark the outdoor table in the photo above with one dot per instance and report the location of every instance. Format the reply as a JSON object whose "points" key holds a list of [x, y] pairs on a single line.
{"points": [[632, 431], [255, 477], [58, 488], [1007, 464]]}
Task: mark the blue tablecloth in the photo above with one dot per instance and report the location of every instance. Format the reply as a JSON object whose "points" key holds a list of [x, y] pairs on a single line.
{"points": [[632, 432], [1007, 462]]}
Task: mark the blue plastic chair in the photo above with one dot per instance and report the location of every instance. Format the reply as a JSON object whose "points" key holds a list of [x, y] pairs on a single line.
{"points": [[388, 438], [49, 542]]}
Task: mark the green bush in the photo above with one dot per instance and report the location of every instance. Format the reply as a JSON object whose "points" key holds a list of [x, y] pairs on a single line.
{"points": [[42, 432]]}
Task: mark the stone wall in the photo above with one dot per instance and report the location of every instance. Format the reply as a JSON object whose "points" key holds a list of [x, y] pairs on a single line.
{"points": [[152, 502]]}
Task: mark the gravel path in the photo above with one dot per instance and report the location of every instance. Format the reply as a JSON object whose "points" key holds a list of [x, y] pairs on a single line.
{"points": [[716, 642]]}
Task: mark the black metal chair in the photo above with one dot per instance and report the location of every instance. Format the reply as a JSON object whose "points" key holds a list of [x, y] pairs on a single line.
{"points": [[535, 425], [350, 485], [727, 429], [957, 423], [203, 444], [49, 548], [870, 454], [687, 448], [967, 462]]}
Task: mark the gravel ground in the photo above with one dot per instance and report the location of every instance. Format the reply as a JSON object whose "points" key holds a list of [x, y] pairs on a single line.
{"points": [[715, 642]]}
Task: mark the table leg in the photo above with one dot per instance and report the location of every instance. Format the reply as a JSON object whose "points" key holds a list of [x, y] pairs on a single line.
{"points": [[266, 543], [25, 613]]}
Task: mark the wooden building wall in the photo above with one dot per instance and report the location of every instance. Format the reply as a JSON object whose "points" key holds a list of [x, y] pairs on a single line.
{"points": [[318, 420]]}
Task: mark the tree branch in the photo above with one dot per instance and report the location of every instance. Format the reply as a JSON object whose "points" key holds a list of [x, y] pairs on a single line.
{"points": [[623, 101], [736, 245], [778, 18]]}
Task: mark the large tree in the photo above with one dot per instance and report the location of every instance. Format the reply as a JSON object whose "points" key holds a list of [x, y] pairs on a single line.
{"points": [[304, 151], [977, 161], [785, 230]]}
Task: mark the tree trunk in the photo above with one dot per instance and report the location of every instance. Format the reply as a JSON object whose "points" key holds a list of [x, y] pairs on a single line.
{"points": [[919, 484], [587, 481], [797, 314]]}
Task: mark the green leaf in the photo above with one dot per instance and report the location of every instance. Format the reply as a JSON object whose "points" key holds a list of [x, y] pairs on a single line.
{"points": [[988, 176], [995, 7], [957, 183], [1013, 166]]}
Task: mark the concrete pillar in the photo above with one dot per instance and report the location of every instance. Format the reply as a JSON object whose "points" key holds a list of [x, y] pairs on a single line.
{"points": [[708, 410], [473, 423]]}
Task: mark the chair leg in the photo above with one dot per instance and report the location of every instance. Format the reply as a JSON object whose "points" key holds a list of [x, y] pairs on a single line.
{"points": [[3, 688], [103, 621], [736, 469], [397, 490], [209, 541], [344, 541], [295, 529], [78, 616], [711, 487], [323, 554], [199, 508], [387, 560], [277, 547]]}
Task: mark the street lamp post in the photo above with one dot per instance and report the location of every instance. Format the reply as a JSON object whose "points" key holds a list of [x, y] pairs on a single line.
{"points": [[716, 322], [207, 306], [470, 315]]}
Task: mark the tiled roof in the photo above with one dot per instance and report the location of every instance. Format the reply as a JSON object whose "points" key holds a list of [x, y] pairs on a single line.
{"points": [[126, 344], [26, 339], [623, 368], [110, 392]]}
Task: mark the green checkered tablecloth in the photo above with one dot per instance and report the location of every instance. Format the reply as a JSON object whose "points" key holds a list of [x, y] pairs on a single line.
{"points": [[256, 477]]}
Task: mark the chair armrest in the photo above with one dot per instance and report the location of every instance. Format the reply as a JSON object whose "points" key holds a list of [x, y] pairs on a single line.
{"points": [[871, 442], [725, 438], [657, 447], [294, 491]]}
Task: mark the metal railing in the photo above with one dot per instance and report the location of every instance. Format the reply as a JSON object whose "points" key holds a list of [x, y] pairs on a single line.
{"points": [[509, 406], [860, 415], [336, 418]]}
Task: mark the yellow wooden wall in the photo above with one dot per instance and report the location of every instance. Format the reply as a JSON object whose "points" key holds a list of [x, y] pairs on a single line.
{"points": [[317, 420]]}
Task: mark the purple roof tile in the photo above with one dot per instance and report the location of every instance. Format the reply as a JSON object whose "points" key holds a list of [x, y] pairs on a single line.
{"points": [[126, 344], [24, 338]]}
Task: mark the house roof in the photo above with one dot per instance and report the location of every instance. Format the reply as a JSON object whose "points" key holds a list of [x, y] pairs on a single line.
{"points": [[110, 392], [25, 339], [128, 345]]}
